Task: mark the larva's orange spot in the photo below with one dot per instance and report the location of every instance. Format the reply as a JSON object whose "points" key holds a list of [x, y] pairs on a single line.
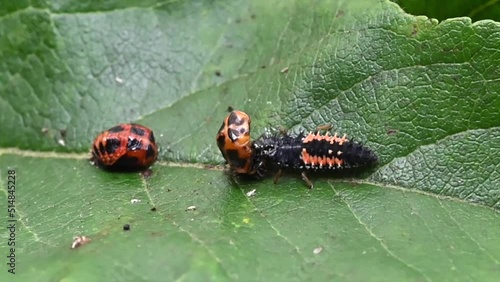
{"points": [[308, 138]]}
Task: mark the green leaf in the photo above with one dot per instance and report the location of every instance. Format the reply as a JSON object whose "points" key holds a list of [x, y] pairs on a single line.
{"points": [[422, 94]]}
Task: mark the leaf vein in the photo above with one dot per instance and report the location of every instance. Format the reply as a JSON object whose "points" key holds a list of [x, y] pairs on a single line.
{"points": [[191, 235], [278, 233], [380, 240], [466, 233]]}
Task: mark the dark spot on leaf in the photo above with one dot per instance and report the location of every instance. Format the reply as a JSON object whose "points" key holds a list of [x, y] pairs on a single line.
{"points": [[126, 227], [253, 16], [218, 73], [391, 131], [147, 173], [229, 109], [153, 209]]}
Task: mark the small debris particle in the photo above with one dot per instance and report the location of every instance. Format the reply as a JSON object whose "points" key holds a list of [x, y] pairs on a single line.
{"points": [[135, 201], [191, 208], [391, 132], [63, 133], [269, 102], [45, 130], [317, 250], [147, 173], [119, 80], [284, 70], [153, 209], [325, 127], [251, 193], [246, 220], [79, 241], [230, 109], [218, 73], [61, 142], [263, 66], [126, 227]]}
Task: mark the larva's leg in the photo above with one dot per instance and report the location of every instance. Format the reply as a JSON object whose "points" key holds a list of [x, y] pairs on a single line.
{"points": [[306, 180], [277, 177]]}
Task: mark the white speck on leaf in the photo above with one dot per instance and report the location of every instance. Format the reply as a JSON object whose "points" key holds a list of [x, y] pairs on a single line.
{"points": [[134, 201], [61, 142], [79, 241], [284, 70], [191, 208], [251, 193], [317, 250], [119, 80]]}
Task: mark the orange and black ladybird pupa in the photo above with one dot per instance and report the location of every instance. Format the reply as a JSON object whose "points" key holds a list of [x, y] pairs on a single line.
{"points": [[125, 147], [233, 140]]}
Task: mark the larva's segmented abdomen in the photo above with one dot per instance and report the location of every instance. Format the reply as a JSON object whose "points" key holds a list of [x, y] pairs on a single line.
{"points": [[325, 152], [314, 152]]}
